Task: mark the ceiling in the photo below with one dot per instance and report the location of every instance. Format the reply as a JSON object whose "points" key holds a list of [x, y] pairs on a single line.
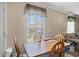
{"points": [[68, 7]]}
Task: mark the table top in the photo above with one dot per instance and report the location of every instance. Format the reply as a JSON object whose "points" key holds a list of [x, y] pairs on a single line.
{"points": [[36, 49]]}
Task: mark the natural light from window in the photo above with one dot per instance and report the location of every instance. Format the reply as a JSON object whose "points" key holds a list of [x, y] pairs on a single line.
{"points": [[70, 28], [35, 23], [71, 24], [35, 20]]}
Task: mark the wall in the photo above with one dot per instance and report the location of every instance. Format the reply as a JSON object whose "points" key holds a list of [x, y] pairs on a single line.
{"points": [[2, 40], [56, 22], [15, 23], [77, 24]]}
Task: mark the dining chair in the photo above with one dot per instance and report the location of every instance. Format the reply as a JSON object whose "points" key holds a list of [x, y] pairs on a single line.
{"points": [[60, 38], [57, 50], [18, 52], [37, 37]]}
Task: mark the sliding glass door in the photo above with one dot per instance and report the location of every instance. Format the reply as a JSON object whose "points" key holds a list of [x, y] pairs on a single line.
{"points": [[35, 21]]}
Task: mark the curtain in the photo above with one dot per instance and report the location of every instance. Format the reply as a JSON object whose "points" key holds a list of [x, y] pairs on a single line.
{"points": [[71, 18]]}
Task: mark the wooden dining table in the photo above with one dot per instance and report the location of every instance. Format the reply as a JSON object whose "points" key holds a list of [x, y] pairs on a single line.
{"points": [[37, 49]]}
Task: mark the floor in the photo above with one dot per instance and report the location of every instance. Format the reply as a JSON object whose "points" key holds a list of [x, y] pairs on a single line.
{"points": [[73, 54]]}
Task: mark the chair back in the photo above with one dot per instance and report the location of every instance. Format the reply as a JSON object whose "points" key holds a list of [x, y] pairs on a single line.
{"points": [[60, 38], [57, 49], [17, 48], [37, 37]]}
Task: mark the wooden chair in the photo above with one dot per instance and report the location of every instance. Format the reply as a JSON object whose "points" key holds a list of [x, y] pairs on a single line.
{"points": [[60, 38], [57, 49], [37, 37], [18, 52]]}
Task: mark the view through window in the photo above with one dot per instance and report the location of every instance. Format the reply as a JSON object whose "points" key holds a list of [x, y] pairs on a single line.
{"points": [[35, 22], [71, 24]]}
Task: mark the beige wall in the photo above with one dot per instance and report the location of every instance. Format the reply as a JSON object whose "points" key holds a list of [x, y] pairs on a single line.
{"points": [[15, 23], [56, 23], [77, 24]]}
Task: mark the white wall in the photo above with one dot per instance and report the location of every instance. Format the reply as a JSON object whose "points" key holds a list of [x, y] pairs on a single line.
{"points": [[2, 40]]}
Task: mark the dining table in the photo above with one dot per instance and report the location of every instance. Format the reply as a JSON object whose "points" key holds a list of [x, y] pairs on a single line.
{"points": [[38, 48]]}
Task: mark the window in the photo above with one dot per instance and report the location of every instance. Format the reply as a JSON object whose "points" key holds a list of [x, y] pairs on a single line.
{"points": [[35, 21], [71, 24]]}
